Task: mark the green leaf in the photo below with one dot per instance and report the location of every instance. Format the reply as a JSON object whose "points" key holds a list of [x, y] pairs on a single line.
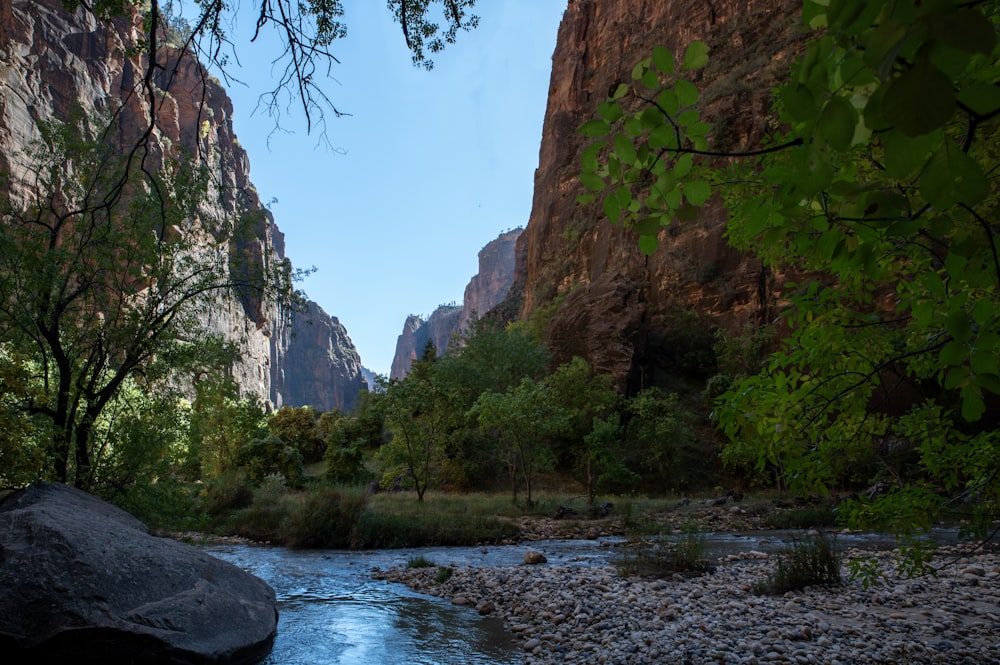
{"points": [[663, 59], [611, 209], [905, 155], [648, 244], [650, 80], [664, 136], [595, 128], [952, 176], [696, 55], [953, 353], [697, 192], [959, 325], [982, 98], [836, 123], [610, 111], [965, 29], [620, 91], [640, 69], [584, 199], [593, 182], [624, 148], [799, 102], [687, 93], [588, 160], [647, 226], [920, 100], [973, 406], [667, 101], [683, 165], [990, 382]]}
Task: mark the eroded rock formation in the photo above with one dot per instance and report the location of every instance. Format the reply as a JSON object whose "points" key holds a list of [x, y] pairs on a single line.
{"points": [[619, 308], [53, 62], [487, 288]]}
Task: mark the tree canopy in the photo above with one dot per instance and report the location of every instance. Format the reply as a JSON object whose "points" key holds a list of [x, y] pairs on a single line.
{"points": [[880, 191]]}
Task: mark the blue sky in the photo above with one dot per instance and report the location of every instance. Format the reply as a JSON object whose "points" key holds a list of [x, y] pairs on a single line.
{"points": [[428, 168]]}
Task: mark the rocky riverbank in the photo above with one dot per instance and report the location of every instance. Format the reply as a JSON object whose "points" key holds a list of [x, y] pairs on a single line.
{"points": [[576, 614]]}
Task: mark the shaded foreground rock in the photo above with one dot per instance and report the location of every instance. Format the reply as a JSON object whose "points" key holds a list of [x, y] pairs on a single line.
{"points": [[84, 582]]}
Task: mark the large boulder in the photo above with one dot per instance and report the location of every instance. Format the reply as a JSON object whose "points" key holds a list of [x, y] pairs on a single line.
{"points": [[82, 581]]}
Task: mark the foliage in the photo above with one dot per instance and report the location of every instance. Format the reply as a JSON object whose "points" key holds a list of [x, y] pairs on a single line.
{"points": [[220, 423], [519, 419], [228, 491], [323, 517], [443, 574], [420, 562], [658, 434], [102, 282], [297, 428], [805, 517], [806, 561], [666, 554], [600, 462], [881, 193], [268, 456]]}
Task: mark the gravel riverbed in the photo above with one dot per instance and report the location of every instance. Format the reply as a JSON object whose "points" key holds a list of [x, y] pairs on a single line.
{"points": [[581, 614]]}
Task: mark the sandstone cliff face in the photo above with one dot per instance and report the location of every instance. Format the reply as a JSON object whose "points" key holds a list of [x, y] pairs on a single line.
{"points": [[488, 288], [320, 366], [620, 309], [53, 62]]}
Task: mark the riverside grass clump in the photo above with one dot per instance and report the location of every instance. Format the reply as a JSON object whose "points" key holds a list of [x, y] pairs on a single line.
{"points": [[809, 560], [665, 554]]}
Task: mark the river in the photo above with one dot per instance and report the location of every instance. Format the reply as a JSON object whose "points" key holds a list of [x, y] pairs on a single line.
{"points": [[333, 613]]}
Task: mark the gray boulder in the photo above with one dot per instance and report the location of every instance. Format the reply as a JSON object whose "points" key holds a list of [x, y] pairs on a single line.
{"points": [[82, 581]]}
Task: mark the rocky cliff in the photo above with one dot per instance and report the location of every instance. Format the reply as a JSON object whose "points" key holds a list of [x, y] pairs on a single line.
{"points": [[485, 290], [53, 62], [319, 365], [627, 313]]}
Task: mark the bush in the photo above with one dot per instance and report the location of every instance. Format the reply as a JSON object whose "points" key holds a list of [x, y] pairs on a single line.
{"points": [[808, 517], [667, 554], [270, 455], [230, 491], [323, 517], [443, 574], [264, 520], [807, 561], [420, 562]]}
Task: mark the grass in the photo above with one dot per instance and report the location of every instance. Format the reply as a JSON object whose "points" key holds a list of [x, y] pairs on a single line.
{"points": [[807, 561], [664, 555]]}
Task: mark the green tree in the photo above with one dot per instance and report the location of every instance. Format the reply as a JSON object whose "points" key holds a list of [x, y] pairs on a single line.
{"points": [[883, 191], [100, 282], [520, 421], [220, 423], [296, 426], [417, 426], [601, 461], [579, 396], [660, 441]]}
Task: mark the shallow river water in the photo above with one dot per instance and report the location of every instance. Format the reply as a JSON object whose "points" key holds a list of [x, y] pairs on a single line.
{"points": [[333, 613]]}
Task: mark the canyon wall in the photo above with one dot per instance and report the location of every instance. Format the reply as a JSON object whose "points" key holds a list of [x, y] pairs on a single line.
{"points": [[54, 63], [627, 313], [487, 288]]}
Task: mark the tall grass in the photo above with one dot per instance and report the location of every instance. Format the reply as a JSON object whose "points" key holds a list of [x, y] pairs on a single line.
{"points": [[806, 561]]}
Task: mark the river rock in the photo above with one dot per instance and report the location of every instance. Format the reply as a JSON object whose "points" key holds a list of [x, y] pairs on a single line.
{"points": [[533, 557], [82, 581]]}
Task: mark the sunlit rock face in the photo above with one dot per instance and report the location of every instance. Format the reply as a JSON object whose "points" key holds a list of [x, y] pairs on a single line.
{"points": [[487, 288], [53, 63], [617, 307]]}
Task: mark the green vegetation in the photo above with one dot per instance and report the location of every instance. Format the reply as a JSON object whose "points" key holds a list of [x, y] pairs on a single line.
{"points": [[666, 554], [808, 560], [880, 191]]}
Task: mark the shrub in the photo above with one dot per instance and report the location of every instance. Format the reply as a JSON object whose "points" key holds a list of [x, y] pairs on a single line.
{"points": [[807, 517], [227, 492], [419, 562], [264, 520], [667, 554], [323, 517], [443, 574], [806, 561], [269, 455]]}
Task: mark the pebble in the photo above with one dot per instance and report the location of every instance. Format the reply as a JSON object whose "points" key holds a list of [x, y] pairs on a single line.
{"points": [[579, 614]]}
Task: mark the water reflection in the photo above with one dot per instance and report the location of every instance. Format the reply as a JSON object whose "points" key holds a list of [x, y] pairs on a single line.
{"points": [[331, 612]]}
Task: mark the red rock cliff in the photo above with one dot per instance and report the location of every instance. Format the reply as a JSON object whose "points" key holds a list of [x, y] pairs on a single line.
{"points": [[53, 61], [620, 309]]}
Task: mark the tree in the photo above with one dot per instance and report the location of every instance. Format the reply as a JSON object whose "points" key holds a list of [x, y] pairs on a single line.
{"points": [[519, 419], [102, 284], [601, 461], [417, 426], [296, 426], [882, 190]]}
